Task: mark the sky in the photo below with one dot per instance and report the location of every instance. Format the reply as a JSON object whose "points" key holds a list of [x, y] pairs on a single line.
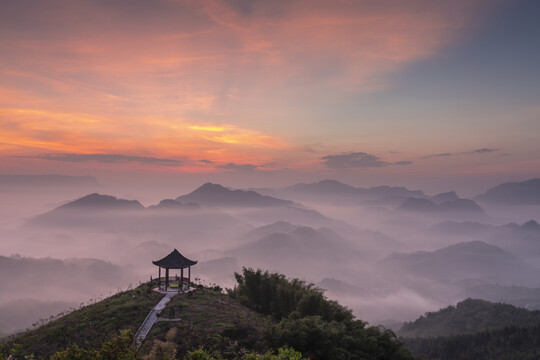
{"points": [[429, 94]]}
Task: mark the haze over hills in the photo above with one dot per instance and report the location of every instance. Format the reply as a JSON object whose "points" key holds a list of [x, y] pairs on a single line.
{"points": [[36, 288], [513, 193], [456, 207], [336, 192], [319, 251], [104, 212], [473, 260], [52, 181], [390, 148], [101, 203], [70, 279], [395, 265]]}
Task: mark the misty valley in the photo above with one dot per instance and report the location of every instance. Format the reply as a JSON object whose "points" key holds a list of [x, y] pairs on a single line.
{"points": [[392, 255]]}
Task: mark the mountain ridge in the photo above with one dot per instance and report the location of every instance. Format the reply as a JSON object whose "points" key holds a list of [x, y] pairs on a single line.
{"points": [[218, 195]]}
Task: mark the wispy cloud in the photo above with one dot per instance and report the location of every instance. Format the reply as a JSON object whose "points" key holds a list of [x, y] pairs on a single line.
{"points": [[105, 158], [238, 167], [245, 167], [481, 151], [436, 155], [472, 152], [357, 160]]}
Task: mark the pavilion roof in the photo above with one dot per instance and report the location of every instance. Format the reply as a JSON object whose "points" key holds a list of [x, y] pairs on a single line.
{"points": [[174, 260]]}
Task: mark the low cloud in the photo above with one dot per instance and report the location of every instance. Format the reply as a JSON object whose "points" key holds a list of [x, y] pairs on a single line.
{"points": [[472, 152], [106, 158], [436, 155], [246, 167], [482, 151], [239, 167], [355, 160]]}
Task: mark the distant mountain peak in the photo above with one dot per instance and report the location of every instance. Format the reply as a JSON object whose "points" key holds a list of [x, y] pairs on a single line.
{"points": [[212, 187], [218, 195], [514, 193], [446, 196], [103, 201], [531, 225], [325, 186]]}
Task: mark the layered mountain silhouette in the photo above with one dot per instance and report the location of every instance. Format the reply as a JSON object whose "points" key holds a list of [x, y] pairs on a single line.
{"points": [[97, 212], [461, 228], [330, 187], [102, 202], [452, 206], [68, 280], [297, 242], [445, 197], [170, 204], [513, 193], [334, 191], [475, 260], [217, 195]]}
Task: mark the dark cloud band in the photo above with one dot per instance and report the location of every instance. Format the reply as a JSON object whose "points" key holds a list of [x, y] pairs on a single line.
{"points": [[357, 160], [105, 158]]}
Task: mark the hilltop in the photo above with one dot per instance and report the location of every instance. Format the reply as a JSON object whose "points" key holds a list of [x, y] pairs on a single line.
{"points": [[206, 313], [264, 312], [475, 329], [467, 317], [217, 195]]}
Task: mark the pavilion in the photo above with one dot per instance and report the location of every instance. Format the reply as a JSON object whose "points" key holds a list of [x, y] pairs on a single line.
{"points": [[175, 260]]}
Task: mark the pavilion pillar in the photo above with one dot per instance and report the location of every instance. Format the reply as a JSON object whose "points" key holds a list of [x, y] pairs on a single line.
{"points": [[166, 278], [189, 277], [159, 278], [181, 282]]}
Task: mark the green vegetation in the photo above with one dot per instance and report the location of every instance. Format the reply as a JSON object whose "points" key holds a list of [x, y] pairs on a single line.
{"points": [[467, 317], [88, 327], [281, 354], [311, 324], [209, 320], [516, 343], [292, 321], [119, 348], [273, 294], [475, 330]]}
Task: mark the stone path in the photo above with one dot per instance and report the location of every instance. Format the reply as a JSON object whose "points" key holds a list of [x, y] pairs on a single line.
{"points": [[151, 318]]}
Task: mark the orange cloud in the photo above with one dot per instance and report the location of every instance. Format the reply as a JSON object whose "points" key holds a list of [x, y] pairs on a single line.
{"points": [[198, 79], [27, 131]]}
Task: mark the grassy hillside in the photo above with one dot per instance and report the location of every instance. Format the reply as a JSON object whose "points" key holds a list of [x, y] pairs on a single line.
{"points": [[89, 326], [475, 330], [265, 312], [209, 319], [467, 317]]}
